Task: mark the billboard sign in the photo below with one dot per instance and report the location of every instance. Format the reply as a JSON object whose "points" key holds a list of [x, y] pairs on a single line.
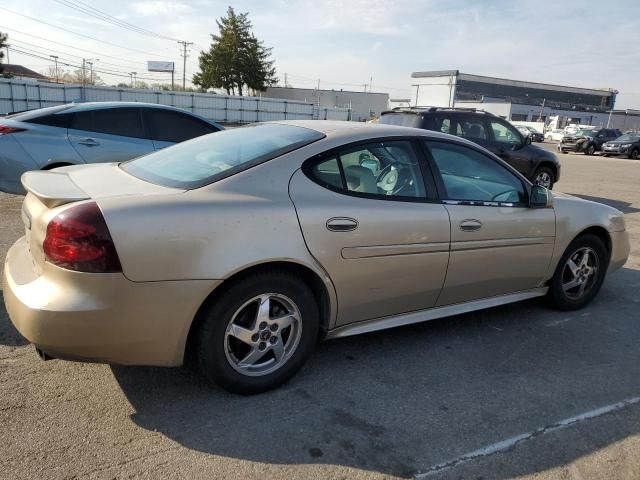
{"points": [[160, 66]]}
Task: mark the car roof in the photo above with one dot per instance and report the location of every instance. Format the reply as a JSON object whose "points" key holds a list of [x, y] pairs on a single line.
{"points": [[79, 107], [339, 129]]}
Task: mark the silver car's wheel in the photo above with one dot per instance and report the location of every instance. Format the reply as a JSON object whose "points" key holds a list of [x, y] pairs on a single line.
{"points": [[263, 334], [580, 273]]}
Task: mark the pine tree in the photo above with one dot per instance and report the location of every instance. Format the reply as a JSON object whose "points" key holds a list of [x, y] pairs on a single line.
{"points": [[3, 44], [236, 59]]}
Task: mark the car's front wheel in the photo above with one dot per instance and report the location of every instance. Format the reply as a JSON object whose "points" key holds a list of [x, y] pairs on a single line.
{"points": [[579, 274], [544, 177], [258, 333], [634, 154], [591, 149]]}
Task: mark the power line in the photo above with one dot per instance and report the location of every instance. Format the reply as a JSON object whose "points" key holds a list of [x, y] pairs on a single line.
{"points": [[137, 62], [76, 33], [105, 17], [68, 64]]}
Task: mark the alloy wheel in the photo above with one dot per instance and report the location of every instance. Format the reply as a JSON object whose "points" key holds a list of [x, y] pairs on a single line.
{"points": [[543, 179], [580, 273], [263, 334]]}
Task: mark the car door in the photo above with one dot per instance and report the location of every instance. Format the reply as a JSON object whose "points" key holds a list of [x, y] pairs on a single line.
{"points": [[498, 244], [377, 229], [508, 144], [109, 134], [168, 127]]}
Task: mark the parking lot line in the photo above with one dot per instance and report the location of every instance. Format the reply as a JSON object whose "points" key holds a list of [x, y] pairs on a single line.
{"points": [[508, 443]]}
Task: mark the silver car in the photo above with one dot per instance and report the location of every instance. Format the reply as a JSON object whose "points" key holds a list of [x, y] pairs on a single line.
{"points": [[74, 134], [239, 250]]}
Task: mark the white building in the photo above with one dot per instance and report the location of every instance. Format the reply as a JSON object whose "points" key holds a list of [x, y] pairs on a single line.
{"points": [[514, 100], [363, 105]]}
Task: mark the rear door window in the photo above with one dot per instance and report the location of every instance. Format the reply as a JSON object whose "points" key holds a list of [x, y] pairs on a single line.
{"points": [[125, 122], [473, 128], [169, 126]]}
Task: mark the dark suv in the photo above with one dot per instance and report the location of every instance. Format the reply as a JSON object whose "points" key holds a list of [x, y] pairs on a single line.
{"points": [[588, 140], [540, 166]]}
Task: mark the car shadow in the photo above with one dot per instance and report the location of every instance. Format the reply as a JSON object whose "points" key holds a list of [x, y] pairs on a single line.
{"points": [[9, 336], [624, 207], [402, 400]]}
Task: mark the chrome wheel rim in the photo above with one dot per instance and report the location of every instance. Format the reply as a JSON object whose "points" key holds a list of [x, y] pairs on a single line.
{"points": [[580, 273], [543, 179], [263, 334]]}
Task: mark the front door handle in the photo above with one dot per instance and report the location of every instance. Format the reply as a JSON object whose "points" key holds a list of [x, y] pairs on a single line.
{"points": [[89, 142], [342, 224], [470, 225]]}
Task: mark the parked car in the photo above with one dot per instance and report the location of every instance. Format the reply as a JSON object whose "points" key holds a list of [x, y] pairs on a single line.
{"points": [[239, 250], [490, 131], [554, 135], [627, 144], [73, 134], [535, 135], [588, 140]]}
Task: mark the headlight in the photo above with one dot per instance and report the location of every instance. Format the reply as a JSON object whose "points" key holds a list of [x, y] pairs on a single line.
{"points": [[626, 145]]}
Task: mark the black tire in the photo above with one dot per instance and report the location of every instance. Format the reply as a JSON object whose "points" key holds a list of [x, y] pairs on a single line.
{"points": [[545, 170], [590, 150], [210, 343], [557, 295], [606, 155], [634, 154]]}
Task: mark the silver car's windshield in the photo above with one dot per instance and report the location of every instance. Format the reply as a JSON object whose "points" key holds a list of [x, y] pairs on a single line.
{"points": [[204, 160]]}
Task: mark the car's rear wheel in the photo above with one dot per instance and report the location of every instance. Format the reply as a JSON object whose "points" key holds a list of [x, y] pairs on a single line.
{"points": [[258, 334], [544, 177], [590, 150], [579, 274], [634, 154]]}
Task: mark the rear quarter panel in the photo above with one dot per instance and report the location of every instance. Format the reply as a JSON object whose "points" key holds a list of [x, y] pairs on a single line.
{"points": [[47, 145]]}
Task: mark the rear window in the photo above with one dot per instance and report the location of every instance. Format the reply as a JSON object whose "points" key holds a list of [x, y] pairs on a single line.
{"points": [[206, 159], [30, 115], [402, 119]]}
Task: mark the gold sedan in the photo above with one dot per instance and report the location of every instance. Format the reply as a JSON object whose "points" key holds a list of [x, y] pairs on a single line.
{"points": [[239, 250]]}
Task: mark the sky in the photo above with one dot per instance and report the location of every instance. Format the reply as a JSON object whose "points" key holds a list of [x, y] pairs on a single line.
{"points": [[349, 43]]}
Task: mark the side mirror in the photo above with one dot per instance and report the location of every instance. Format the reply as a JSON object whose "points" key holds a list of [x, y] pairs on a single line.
{"points": [[540, 197]]}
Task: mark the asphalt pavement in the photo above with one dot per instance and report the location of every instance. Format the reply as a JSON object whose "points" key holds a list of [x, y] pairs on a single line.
{"points": [[515, 391]]}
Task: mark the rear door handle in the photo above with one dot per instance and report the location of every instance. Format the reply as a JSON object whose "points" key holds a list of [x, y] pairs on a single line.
{"points": [[470, 225], [89, 142], [342, 224]]}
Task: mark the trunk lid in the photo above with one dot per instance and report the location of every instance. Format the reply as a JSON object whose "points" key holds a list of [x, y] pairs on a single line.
{"points": [[49, 191]]}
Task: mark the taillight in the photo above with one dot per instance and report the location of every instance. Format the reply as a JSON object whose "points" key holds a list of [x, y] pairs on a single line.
{"points": [[5, 130], [78, 239]]}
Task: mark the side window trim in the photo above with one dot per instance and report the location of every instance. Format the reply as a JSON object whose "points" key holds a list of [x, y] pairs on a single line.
{"points": [[429, 182], [442, 191]]}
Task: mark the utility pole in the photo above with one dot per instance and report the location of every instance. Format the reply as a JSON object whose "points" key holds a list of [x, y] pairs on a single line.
{"points": [[90, 72], [184, 55], [84, 66], [131, 78], [7, 47], [55, 59], [285, 79], [135, 79]]}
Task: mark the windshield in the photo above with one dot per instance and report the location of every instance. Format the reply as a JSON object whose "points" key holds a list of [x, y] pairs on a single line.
{"points": [[628, 138], [209, 158], [402, 119], [586, 132]]}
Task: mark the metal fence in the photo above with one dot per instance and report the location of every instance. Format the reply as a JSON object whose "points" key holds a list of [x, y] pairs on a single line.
{"points": [[16, 95]]}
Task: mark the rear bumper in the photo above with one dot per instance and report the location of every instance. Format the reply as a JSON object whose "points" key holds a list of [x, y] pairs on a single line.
{"points": [[14, 161], [100, 317]]}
